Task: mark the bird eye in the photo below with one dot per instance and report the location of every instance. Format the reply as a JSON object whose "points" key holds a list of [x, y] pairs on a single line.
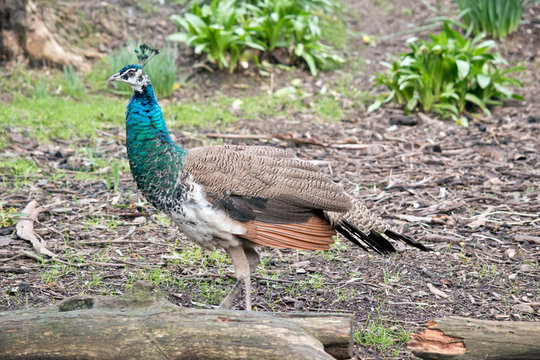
{"points": [[131, 72]]}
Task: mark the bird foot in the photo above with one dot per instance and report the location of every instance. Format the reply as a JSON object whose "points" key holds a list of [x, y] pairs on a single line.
{"points": [[228, 302]]}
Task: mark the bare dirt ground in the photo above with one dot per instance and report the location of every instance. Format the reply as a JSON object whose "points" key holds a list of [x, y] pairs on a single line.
{"points": [[471, 194]]}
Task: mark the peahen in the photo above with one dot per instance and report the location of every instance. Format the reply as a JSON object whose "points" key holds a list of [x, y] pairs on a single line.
{"points": [[240, 197]]}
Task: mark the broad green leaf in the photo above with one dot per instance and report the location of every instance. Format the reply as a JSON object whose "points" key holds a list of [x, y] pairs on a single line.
{"points": [[476, 101], [196, 22], [179, 36], [377, 104], [463, 69], [311, 63], [199, 48], [483, 80], [506, 92], [411, 104], [299, 50]]}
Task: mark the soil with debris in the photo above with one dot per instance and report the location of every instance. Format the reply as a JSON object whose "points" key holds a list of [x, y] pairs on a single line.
{"points": [[471, 194]]}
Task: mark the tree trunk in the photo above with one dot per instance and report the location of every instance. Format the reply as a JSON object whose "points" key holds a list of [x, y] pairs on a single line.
{"points": [[23, 33], [143, 325], [462, 338]]}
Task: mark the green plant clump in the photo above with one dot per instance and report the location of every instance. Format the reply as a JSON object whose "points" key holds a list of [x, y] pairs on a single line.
{"points": [[448, 75], [216, 29], [497, 18], [72, 81], [161, 70], [231, 31]]}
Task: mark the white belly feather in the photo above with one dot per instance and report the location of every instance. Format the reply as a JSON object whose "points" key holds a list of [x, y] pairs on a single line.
{"points": [[204, 224]]}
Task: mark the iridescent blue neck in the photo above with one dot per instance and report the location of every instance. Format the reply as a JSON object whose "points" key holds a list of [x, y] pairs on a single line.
{"points": [[155, 160], [144, 116]]}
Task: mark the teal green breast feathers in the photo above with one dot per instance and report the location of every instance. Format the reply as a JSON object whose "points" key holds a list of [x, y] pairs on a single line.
{"points": [[155, 160]]}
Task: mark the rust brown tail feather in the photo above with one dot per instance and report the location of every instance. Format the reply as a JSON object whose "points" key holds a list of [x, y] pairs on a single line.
{"points": [[315, 234]]}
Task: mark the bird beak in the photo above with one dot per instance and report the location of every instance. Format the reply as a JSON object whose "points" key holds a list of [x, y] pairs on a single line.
{"points": [[114, 77]]}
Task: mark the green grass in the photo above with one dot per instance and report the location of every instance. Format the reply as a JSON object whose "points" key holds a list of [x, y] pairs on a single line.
{"points": [[63, 118], [72, 83], [57, 117], [16, 171], [378, 334], [498, 18]]}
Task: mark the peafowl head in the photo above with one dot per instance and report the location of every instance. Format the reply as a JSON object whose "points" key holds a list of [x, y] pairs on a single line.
{"points": [[134, 74]]}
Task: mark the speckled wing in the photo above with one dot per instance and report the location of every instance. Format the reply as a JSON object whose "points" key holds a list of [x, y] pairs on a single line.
{"points": [[280, 200], [267, 173]]}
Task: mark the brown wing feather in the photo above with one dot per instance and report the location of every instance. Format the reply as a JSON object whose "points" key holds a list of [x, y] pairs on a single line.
{"points": [[315, 234], [267, 172]]}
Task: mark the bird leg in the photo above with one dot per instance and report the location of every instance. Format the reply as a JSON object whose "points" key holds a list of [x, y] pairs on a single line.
{"points": [[227, 303], [243, 274], [252, 256]]}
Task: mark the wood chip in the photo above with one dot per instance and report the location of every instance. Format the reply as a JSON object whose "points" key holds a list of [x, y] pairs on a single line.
{"points": [[480, 219], [436, 291], [527, 238]]}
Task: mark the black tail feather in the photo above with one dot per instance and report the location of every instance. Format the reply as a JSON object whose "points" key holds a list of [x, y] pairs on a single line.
{"points": [[343, 231], [373, 241], [394, 235]]}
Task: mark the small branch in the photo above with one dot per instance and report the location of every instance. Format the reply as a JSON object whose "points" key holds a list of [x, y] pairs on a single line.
{"points": [[285, 137], [440, 238]]}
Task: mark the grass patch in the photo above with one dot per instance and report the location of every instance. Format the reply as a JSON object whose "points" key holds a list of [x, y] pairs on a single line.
{"points": [[62, 118], [376, 333], [17, 171]]}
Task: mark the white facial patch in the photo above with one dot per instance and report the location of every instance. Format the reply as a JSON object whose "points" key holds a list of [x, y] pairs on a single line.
{"points": [[137, 81]]}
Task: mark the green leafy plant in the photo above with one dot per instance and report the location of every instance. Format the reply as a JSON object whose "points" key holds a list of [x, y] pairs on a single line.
{"points": [[228, 31], [40, 89], [288, 25], [497, 18], [7, 216], [113, 178], [217, 30], [448, 75], [72, 81], [161, 70]]}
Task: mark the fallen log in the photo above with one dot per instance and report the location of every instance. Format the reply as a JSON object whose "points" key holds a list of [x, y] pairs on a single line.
{"points": [[144, 325], [463, 338]]}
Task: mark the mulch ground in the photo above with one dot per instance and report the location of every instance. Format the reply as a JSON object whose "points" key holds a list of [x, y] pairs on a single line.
{"points": [[471, 194]]}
